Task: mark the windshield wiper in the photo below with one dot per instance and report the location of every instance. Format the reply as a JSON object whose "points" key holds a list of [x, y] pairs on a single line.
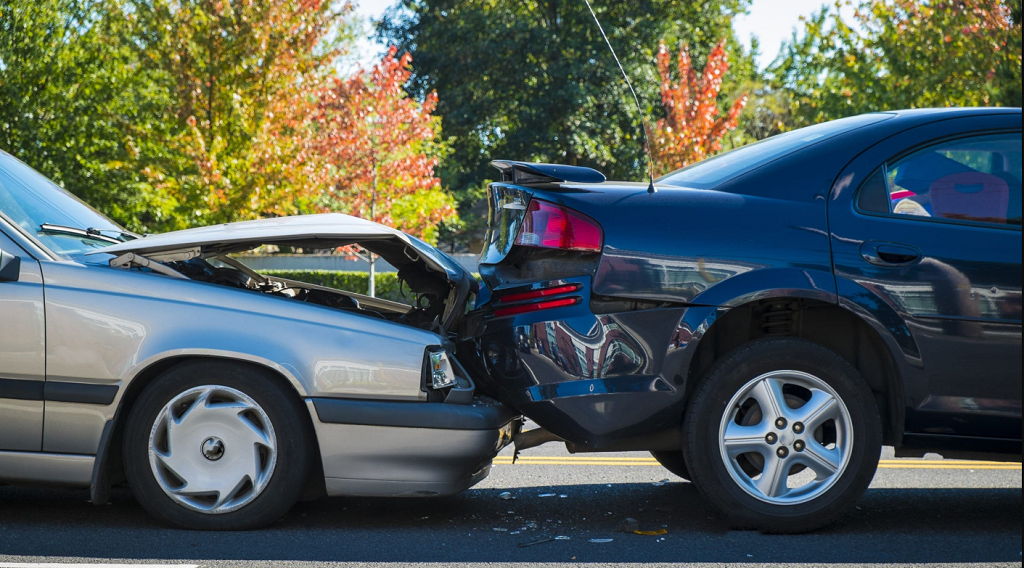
{"points": [[89, 233]]}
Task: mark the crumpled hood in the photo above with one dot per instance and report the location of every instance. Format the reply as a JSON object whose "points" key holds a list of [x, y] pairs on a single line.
{"points": [[325, 230]]}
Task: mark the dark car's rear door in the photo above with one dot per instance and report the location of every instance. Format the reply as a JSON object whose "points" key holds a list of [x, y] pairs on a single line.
{"points": [[929, 222]]}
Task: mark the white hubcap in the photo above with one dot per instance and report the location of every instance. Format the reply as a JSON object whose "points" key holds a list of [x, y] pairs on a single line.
{"points": [[212, 449]]}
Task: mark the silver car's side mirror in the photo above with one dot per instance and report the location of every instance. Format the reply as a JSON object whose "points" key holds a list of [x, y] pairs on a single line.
{"points": [[10, 267]]}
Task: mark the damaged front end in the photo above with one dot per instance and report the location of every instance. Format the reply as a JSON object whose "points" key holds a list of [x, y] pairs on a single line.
{"points": [[440, 287]]}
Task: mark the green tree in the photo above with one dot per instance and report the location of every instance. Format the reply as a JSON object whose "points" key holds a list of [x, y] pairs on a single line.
{"points": [[235, 72], [903, 54], [75, 105], [533, 80]]}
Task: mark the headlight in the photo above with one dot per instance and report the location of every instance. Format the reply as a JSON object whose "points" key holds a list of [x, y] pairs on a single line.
{"points": [[441, 374]]}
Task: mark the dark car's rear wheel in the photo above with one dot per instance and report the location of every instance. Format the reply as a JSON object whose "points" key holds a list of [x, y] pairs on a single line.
{"points": [[782, 435], [216, 446], [674, 462]]}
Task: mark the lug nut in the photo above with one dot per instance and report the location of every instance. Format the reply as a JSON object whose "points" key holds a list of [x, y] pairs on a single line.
{"points": [[798, 445], [782, 452], [798, 427], [771, 438], [780, 422]]}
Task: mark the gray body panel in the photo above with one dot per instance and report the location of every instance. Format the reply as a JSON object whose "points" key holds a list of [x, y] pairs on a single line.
{"points": [[83, 333], [106, 325], [387, 460], [22, 355]]}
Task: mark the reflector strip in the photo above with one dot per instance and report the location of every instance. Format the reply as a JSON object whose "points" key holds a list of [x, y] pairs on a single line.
{"points": [[534, 294], [527, 308]]}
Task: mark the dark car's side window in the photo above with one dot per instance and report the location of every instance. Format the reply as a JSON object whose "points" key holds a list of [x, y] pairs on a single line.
{"points": [[974, 179]]}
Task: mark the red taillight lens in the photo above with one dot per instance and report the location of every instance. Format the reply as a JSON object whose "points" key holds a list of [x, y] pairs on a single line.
{"points": [[527, 308], [548, 225], [542, 293]]}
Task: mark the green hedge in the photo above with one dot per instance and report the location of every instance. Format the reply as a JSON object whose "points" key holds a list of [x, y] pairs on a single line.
{"points": [[354, 281]]}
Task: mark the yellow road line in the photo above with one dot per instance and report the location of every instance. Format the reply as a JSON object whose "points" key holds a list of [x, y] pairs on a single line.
{"points": [[638, 461]]}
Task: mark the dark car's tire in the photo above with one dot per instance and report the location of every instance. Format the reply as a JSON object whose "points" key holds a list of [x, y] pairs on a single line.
{"points": [[226, 429], [729, 442], [674, 462]]}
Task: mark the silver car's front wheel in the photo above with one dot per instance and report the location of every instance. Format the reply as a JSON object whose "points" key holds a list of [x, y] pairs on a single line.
{"points": [[218, 445], [212, 449], [785, 437]]}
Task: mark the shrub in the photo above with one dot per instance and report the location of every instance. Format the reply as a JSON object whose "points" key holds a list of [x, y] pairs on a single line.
{"points": [[388, 286]]}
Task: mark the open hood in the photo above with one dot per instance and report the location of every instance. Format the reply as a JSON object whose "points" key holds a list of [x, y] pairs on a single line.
{"points": [[326, 230], [422, 267]]}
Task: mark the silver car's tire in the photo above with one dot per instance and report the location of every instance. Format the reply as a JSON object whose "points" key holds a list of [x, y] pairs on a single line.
{"points": [[213, 445], [782, 435]]}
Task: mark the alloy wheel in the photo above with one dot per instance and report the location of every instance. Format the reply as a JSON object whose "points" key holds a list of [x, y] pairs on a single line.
{"points": [[786, 437]]}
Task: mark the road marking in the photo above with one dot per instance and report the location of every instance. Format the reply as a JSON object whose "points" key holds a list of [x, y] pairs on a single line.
{"points": [[639, 461], [60, 565]]}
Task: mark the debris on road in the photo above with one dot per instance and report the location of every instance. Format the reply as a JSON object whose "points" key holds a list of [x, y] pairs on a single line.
{"points": [[562, 496], [651, 533], [547, 494], [505, 495], [563, 538], [499, 529], [660, 483], [601, 540], [536, 541], [629, 525]]}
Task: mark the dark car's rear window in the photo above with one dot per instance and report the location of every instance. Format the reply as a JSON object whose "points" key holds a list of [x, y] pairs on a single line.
{"points": [[712, 172]]}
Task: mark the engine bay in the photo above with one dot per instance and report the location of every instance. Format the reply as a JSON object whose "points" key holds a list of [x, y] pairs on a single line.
{"points": [[428, 290]]}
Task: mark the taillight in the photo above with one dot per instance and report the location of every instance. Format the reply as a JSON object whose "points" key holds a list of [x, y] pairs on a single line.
{"points": [[537, 294], [527, 308], [548, 225]]}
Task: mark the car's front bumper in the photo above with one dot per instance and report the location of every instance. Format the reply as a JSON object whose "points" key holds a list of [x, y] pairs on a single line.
{"points": [[383, 448]]}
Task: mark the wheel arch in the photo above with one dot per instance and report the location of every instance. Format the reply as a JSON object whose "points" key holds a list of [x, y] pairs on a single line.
{"points": [[828, 324], [108, 466]]}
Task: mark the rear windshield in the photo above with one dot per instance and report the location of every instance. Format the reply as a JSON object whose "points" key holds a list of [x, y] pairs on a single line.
{"points": [[710, 173]]}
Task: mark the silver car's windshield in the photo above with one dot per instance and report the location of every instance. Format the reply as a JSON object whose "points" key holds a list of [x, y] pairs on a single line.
{"points": [[31, 201]]}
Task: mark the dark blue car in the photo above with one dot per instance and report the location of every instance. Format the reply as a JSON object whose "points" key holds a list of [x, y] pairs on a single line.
{"points": [[767, 319]]}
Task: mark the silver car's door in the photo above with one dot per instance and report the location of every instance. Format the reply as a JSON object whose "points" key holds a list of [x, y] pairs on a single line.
{"points": [[22, 351]]}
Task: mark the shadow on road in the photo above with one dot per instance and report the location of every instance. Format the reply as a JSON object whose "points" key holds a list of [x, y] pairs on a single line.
{"points": [[889, 525]]}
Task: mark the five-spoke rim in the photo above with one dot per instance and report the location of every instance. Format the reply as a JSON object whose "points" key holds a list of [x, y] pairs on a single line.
{"points": [[786, 437], [212, 449]]}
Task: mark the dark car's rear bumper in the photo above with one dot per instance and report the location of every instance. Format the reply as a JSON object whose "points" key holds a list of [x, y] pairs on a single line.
{"points": [[593, 379]]}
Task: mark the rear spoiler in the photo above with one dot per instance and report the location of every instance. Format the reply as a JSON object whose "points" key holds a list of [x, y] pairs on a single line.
{"points": [[526, 173]]}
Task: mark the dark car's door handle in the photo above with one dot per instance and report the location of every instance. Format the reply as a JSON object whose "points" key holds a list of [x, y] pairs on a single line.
{"points": [[889, 254]]}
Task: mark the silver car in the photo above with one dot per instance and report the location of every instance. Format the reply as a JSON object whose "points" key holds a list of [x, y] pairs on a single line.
{"points": [[221, 395]]}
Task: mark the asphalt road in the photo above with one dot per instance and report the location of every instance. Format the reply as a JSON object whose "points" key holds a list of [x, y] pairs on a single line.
{"points": [[916, 513]]}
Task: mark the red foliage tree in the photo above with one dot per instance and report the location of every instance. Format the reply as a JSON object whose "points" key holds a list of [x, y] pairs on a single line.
{"points": [[365, 148], [377, 145], [692, 128]]}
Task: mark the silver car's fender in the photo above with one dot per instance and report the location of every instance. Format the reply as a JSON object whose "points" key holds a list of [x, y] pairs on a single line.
{"points": [[106, 326]]}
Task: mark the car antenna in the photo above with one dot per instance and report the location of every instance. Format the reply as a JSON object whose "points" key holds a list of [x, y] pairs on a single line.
{"points": [[643, 121]]}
